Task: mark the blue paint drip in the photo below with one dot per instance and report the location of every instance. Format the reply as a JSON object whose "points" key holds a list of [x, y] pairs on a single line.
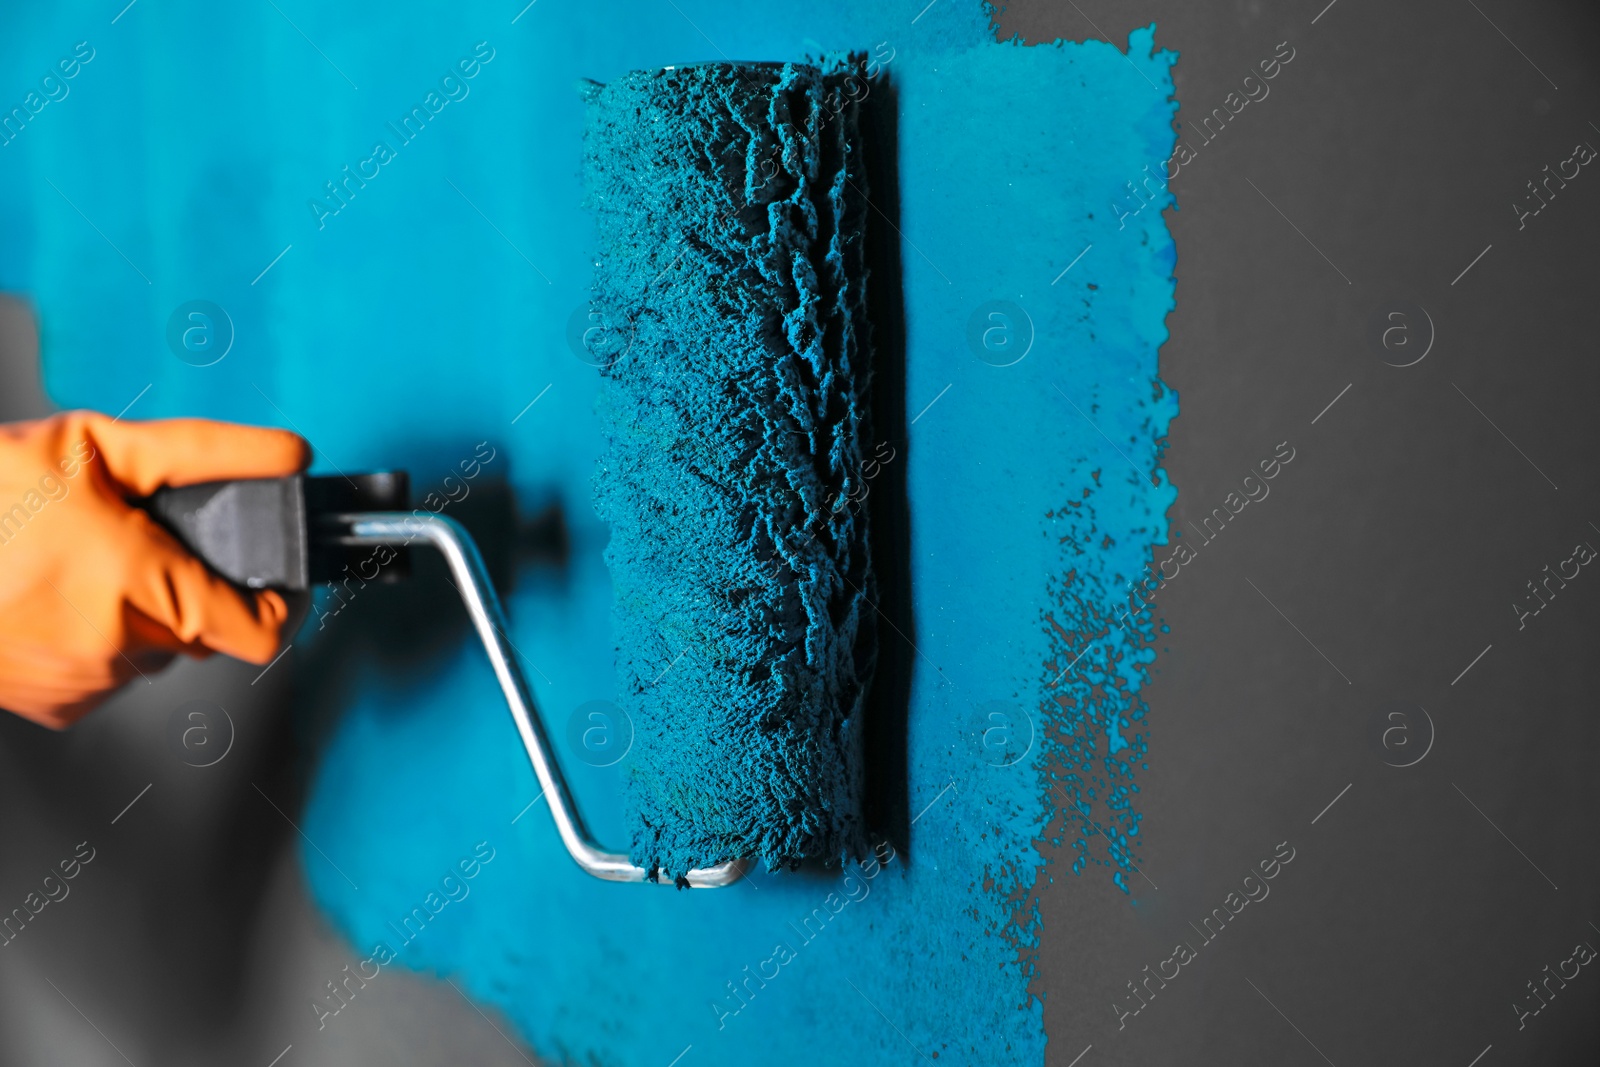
{"points": [[430, 310]]}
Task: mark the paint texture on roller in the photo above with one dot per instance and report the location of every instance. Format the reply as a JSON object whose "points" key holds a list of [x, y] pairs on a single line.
{"points": [[730, 284]]}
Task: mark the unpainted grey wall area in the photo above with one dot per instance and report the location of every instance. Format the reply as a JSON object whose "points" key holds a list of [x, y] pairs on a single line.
{"points": [[1324, 639], [21, 391]]}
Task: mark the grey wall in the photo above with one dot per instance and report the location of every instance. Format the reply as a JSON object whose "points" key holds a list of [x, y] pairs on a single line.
{"points": [[1417, 907]]}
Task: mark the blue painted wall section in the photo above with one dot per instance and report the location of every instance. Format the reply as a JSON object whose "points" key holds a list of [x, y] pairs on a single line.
{"points": [[399, 305]]}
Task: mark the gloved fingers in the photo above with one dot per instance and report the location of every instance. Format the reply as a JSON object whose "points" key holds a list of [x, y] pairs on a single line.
{"points": [[141, 457], [297, 604], [78, 653], [155, 638], [177, 592], [55, 709], [57, 695], [93, 592]]}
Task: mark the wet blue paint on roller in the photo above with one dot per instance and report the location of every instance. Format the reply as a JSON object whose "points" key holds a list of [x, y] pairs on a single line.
{"points": [[419, 321], [729, 204]]}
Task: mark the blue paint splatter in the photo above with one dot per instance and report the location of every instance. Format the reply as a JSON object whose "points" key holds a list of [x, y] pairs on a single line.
{"points": [[428, 312]]}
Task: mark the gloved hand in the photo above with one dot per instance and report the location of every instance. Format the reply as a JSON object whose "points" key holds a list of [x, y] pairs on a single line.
{"points": [[93, 591]]}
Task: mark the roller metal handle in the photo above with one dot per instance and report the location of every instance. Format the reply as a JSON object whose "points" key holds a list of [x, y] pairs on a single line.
{"points": [[290, 533], [483, 606]]}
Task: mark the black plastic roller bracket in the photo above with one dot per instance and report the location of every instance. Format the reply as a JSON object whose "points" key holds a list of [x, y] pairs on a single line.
{"points": [[281, 533]]}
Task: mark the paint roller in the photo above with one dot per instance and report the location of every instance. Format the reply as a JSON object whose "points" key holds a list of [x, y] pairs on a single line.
{"points": [[732, 342]]}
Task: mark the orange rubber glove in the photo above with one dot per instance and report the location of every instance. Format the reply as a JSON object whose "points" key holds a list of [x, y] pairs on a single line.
{"points": [[93, 591]]}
